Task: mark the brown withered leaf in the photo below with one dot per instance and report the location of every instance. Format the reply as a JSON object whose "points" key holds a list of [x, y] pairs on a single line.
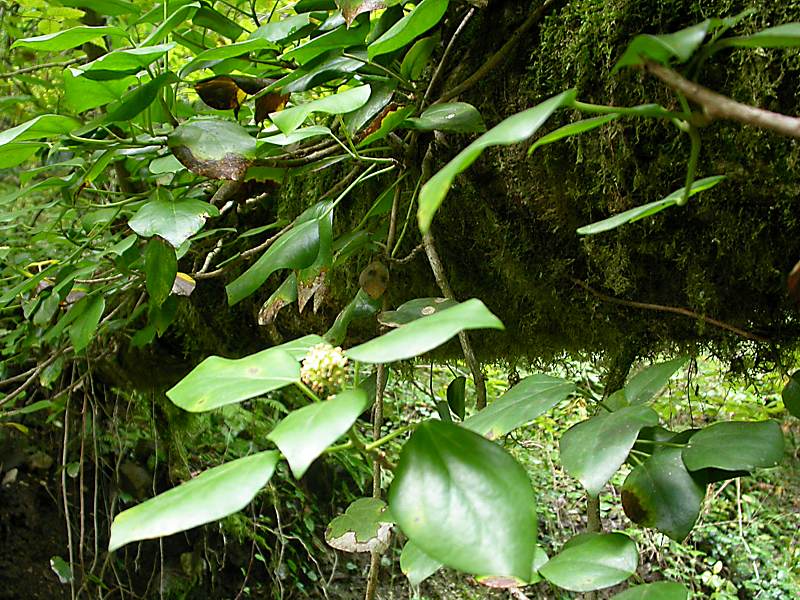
{"points": [[213, 148], [230, 166], [269, 103], [352, 8], [221, 93], [307, 289]]}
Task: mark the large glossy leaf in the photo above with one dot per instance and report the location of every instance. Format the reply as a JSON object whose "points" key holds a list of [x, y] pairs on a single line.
{"points": [[160, 269], [416, 59], [340, 38], [644, 386], [592, 561], [213, 494], [360, 307], [364, 527], [178, 17], [646, 210], [522, 403], [465, 502], [413, 310], [120, 63], [456, 117], [305, 433], [380, 96], [324, 68], [780, 36], [661, 590], [89, 311], [43, 126], [512, 130], [593, 450], [791, 394], [174, 220], [81, 94], [426, 333], [209, 18], [660, 493], [416, 565], [213, 148], [219, 381], [678, 46], [208, 58], [295, 249], [735, 446], [423, 17], [135, 101], [456, 396], [68, 38], [290, 119]]}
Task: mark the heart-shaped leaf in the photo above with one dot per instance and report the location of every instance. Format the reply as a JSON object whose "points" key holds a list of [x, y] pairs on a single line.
{"points": [[219, 381], [364, 527], [661, 590], [426, 333], [174, 220], [213, 494], [593, 450], [660, 493], [305, 433], [735, 446], [422, 17], [592, 562], [213, 148], [465, 502], [514, 129], [522, 403]]}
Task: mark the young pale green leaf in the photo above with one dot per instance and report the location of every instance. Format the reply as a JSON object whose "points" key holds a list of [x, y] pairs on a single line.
{"points": [[85, 324], [426, 333], [592, 562], [219, 381], [422, 17], [379, 98], [465, 502], [646, 210], [305, 433], [791, 395], [120, 63], [644, 386], [735, 446], [178, 17], [593, 450], [212, 495], [416, 565], [81, 94], [456, 396], [298, 135], [780, 36], [213, 148], [349, 100], [662, 49], [416, 59], [111, 8], [160, 269], [338, 39], [455, 117], [524, 402], [661, 590], [68, 38], [296, 249], [43, 126], [660, 493], [12, 155], [512, 130], [364, 527], [135, 101], [279, 30], [174, 220], [575, 128]]}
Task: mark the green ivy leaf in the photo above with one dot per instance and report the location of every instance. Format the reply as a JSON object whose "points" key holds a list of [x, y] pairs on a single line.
{"points": [[89, 310], [416, 59], [160, 268], [413, 310], [174, 220], [416, 565], [43, 126], [426, 333], [135, 101], [465, 502], [455, 117], [68, 38], [648, 382], [422, 17], [661, 590], [592, 561], [456, 396], [213, 148], [594, 449], [735, 446], [349, 100], [212, 495], [219, 381], [120, 63], [364, 527], [646, 210], [524, 402], [512, 130], [306, 432], [360, 307], [337, 39], [660, 493]]}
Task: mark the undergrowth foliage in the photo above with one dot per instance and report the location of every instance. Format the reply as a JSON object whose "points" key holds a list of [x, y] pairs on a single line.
{"points": [[169, 130]]}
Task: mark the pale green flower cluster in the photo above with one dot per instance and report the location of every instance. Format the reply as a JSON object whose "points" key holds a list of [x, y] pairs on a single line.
{"points": [[324, 368]]}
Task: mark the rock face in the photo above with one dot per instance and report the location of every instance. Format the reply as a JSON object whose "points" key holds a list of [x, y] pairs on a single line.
{"points": [[507, 231]]}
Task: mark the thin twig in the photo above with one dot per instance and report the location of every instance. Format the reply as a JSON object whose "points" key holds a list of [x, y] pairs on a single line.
{"points": [[409, 257], [445, 55], [672, 309], [716, 106], [33, 68], [498, 57]]}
